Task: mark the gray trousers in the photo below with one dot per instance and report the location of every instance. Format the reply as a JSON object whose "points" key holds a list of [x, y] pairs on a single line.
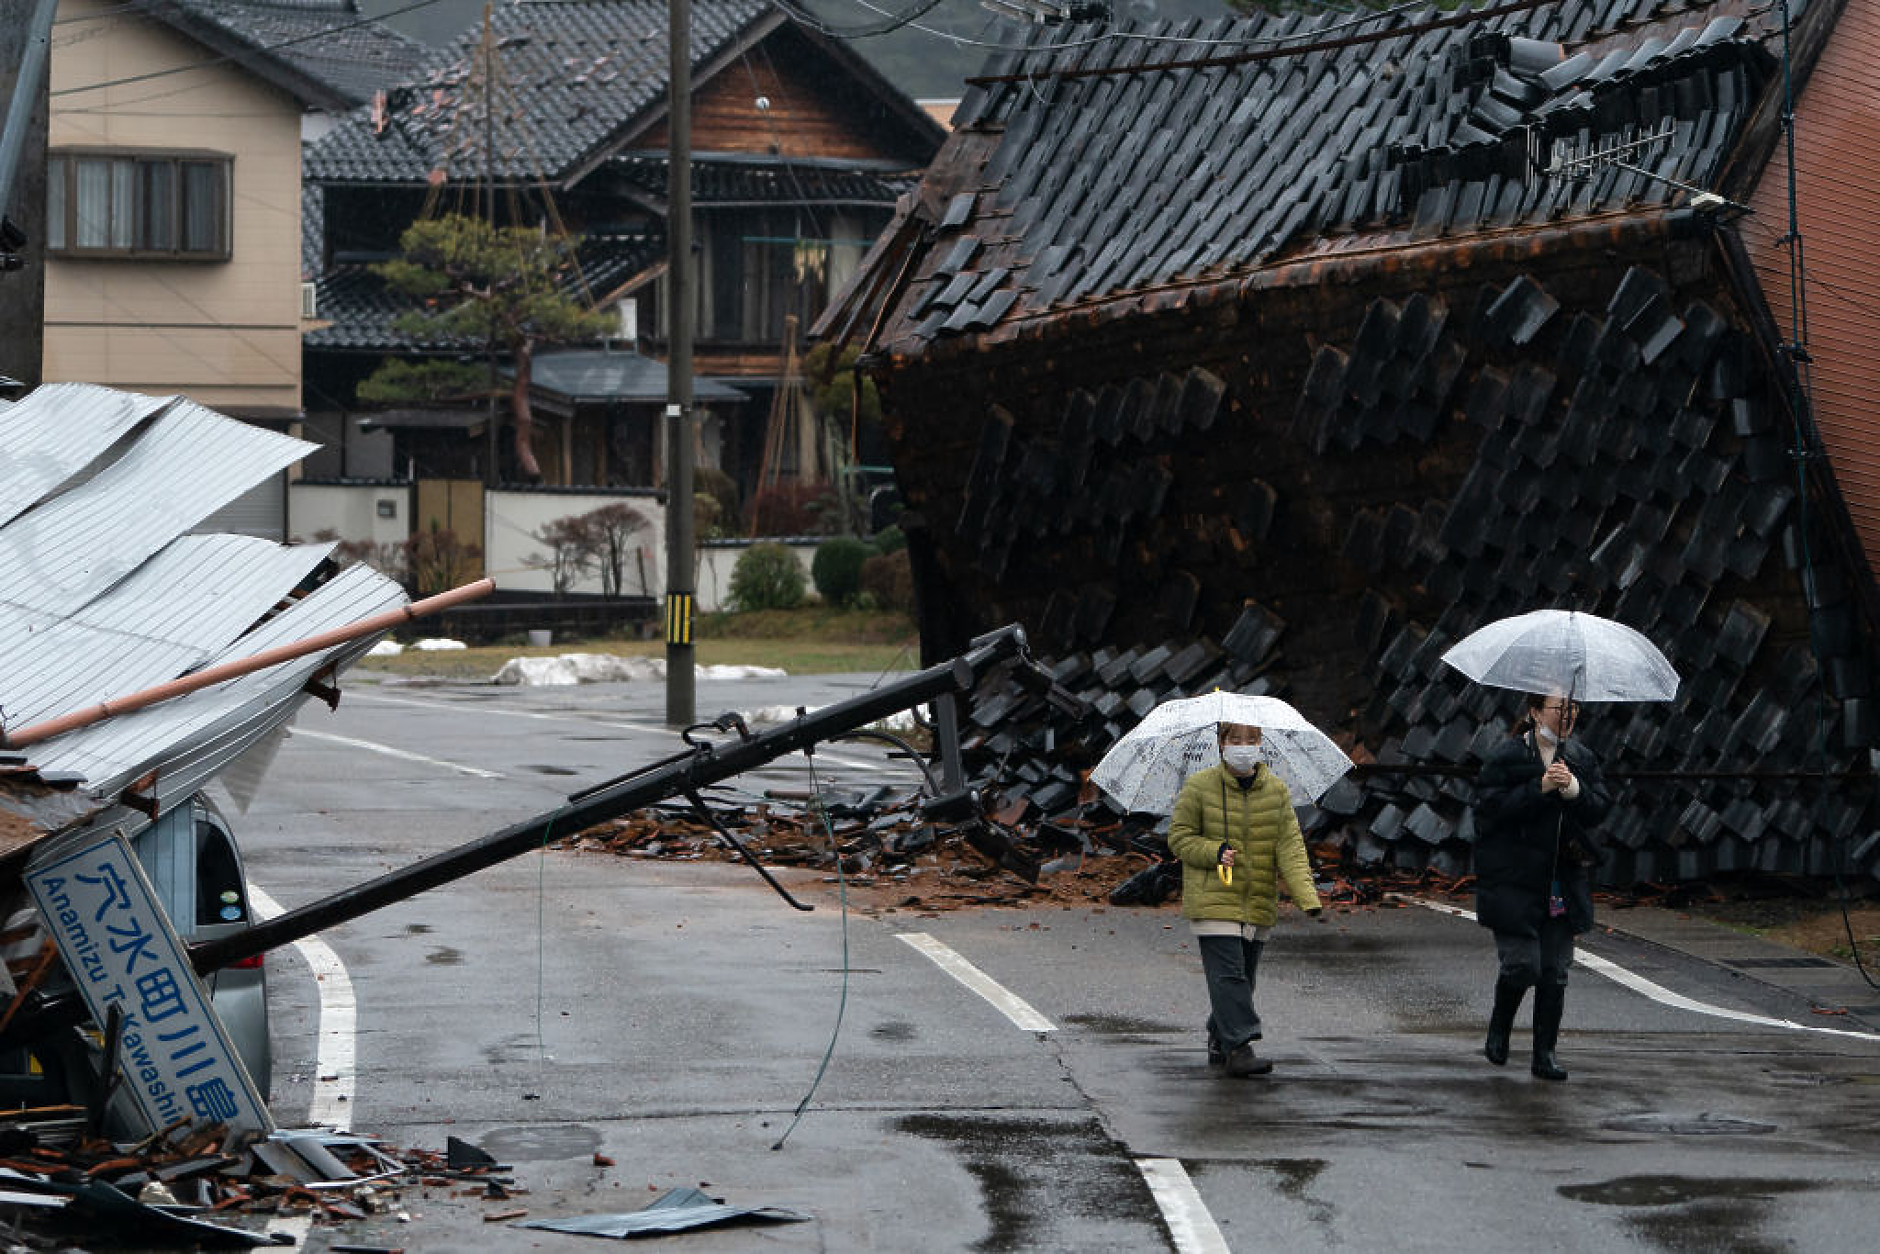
{"points": [[1231, 965], [1534, 960]]}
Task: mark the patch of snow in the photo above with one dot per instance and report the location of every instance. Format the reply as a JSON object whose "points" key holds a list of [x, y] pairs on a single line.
{"points": [[741, 672], [385, 648], [438, 644], [605, 668]]}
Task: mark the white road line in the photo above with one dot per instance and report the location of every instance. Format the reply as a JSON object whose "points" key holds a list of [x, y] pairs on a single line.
{"points": [[484, 708], [336, 1062], [1189, 1223], [1657, 992], [659, 729], [373, 746], [1006, 1002], [335, 1066]]}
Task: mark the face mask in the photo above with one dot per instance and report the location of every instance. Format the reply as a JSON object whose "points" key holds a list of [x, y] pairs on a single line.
{"points": [[1240, 759]]}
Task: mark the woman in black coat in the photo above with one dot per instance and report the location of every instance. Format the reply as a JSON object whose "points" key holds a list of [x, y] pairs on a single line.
{"points": [[1536, 800]]}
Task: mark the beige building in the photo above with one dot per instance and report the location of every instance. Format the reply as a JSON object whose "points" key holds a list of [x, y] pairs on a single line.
{"points": [[173, 241]]}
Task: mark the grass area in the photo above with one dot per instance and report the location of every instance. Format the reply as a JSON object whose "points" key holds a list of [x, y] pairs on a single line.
{"points": [[810, 641]]}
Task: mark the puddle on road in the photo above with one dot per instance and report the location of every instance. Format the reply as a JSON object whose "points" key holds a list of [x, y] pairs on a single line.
{"points": [[419, 929], [1698, 1123], [445, 956], [1017, 1164], [1122, 1025], [541, 1144], [1679, 1190], [1686, 1213]]}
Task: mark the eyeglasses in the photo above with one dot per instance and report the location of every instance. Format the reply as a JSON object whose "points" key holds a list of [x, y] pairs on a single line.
{"points": [[1571, 707]]}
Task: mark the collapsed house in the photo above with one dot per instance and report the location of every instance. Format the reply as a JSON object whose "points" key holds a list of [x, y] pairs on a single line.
{"points": [[1284, 358]]}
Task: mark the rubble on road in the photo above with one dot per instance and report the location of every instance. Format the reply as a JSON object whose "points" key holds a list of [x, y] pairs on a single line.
{"points": [[185, 1187]]}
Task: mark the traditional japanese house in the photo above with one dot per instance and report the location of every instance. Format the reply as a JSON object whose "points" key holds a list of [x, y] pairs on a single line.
{"points": [[1283, 355], [557, 116]]}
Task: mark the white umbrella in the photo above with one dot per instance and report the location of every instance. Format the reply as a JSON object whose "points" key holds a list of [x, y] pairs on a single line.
{"points": [[1145, 769], [1566, 653]]}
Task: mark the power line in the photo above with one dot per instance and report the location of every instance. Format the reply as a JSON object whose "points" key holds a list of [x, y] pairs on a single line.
{"points": [[1283, 47], [226, 57]]}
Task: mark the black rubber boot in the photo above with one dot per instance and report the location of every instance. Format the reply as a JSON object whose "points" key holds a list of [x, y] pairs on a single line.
{"points": [[1508, 997], [1243, 1062], [1550, 1002]]}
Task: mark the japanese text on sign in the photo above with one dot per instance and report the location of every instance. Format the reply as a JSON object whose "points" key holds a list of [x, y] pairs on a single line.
{"points": [[121, 951]]}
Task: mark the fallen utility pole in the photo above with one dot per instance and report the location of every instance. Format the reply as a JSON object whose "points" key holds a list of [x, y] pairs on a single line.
{"points": [[702, 764]]}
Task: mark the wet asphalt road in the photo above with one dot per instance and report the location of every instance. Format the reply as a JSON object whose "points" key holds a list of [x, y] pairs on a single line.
{"points": [[670, 1017]]}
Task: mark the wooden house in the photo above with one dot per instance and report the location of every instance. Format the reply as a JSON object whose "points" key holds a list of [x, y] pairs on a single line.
{"points": [[556, 115]]}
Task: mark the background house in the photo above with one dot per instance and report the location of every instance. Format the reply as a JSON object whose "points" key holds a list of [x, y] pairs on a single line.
{"points": [[173, 197], [799, 151], [1284, 370]]}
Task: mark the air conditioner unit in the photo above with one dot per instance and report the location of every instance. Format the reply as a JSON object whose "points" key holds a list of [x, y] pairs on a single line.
{"points": [[309, 303]]}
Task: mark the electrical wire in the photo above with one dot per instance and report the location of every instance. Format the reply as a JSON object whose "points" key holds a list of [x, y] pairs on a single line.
{"points": [[894, 22], [230, 56], [842, 1003]]}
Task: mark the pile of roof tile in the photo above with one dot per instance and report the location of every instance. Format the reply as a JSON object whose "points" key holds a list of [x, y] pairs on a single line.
{"points": [[182, 1186]]}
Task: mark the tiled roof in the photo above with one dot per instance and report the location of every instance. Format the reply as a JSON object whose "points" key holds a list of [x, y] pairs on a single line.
{"points": [[360, 311], [725, 182], [1056, 190], [328, 41], [569, 76]]}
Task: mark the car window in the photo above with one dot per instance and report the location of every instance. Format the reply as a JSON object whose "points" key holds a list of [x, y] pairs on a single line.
{"points": [[219, 895]]}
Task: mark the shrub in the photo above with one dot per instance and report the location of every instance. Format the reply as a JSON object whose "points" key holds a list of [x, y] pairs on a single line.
{"points": [[837, 568], [766, 577], [437, 561], [889, 581], [890, 539]]}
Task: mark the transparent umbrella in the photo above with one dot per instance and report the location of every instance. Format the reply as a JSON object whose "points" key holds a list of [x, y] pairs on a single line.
{"points": [[1566, 653], [1146, 768]]}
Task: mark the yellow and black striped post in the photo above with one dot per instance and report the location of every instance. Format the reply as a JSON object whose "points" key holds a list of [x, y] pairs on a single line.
{"points": [[679, 618]]}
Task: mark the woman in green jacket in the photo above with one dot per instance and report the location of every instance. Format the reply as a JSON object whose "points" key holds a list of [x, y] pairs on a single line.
{"points": [[1237, 836]]}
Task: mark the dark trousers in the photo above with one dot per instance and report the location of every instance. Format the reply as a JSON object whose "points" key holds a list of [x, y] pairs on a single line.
{"points": [[1528, 961], [1231, 965]]}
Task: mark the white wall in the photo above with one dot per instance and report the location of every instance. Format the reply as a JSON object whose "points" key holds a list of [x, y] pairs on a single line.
{"points": [[511, 519], [351, 509]]}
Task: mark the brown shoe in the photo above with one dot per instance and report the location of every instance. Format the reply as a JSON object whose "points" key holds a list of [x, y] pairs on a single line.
{"points": [[1243, 1062]]}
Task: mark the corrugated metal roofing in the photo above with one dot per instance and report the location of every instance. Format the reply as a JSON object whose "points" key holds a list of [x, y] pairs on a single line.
{"points": [[217, 724], [174, 613], [56, 432], [187, 464], [103, 596]]}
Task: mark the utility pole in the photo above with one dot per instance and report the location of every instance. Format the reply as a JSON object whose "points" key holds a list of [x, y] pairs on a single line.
{"points": [[680, 578], [25, 50]]}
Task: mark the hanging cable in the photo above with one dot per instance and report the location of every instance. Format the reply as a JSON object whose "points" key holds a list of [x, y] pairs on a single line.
{"points": [[322, 33], [842, 1002], [1806, 447]]}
